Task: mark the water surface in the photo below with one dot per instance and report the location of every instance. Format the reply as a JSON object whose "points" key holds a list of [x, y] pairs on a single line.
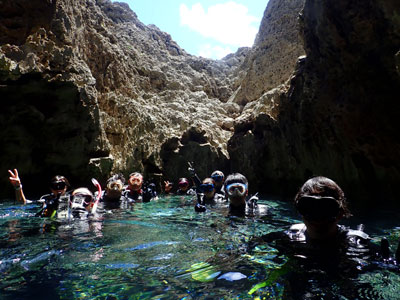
{"points": [[165, 250]]}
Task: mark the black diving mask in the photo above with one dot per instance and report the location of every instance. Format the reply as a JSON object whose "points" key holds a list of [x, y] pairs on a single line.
{"points": [[318, 208]]}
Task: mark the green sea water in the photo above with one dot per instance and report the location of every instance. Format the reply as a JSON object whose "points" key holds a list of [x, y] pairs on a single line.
{"points": [[165, 250]]}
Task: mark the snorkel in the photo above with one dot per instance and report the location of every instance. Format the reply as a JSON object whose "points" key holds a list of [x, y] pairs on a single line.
{"points": [[98, 196]]}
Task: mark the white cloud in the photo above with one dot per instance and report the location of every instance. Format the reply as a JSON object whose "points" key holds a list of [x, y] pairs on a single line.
{"points": [[228, 23], [215, 52]]}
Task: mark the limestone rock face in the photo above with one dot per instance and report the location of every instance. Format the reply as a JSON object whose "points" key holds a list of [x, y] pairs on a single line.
{"points": [[87, 89], [338, 115], [273, 57]]}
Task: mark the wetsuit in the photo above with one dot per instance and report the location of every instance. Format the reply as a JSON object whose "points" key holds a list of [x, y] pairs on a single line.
{"points": [[54, 206], [220, 191], [133, 196], [248, 208], [189, 192], [309, 266], [113, 203], [201, 198], [146, 194]]}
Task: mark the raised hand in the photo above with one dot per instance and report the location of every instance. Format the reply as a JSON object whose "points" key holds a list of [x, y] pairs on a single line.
{"points": [[14, 179], [16, 182]]}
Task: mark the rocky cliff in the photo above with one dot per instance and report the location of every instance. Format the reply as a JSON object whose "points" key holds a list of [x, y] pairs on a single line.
{"points": [[338, 116], [87, 90]]}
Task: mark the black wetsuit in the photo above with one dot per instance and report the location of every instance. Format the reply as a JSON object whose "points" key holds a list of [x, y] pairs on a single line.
{"points": [[133, 196], [248, 208], [220, 191], [113, 203], [53, 205], [146, 194], [189, 192], [321, 265]]}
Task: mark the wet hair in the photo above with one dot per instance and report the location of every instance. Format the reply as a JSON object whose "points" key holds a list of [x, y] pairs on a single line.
{"points": [[116, 177], [181, 180], [59, 178], [235, 178], [83, 191], [324, 187], [208, 180], [136, 174], [217, 172]]}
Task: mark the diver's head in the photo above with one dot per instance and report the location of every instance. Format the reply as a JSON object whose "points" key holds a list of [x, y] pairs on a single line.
{"points": [[208, 188], [59, 185], [82, 199], [218, 178], [321, 203], [321, 199], [183, 184], [236, 188], [115, 185], [135, 181]]}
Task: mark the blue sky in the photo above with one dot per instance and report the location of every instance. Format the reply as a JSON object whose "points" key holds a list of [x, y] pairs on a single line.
{"points": [[208, 28]]}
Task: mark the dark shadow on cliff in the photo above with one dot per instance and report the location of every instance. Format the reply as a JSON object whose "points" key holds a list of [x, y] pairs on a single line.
{"points": [[45, 130]]}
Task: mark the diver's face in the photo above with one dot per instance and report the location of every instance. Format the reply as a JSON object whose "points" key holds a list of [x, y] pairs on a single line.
{"points": [[208, 188], [184, 187], [136, 182], [237, 193], [58, 188], [114, 189]]}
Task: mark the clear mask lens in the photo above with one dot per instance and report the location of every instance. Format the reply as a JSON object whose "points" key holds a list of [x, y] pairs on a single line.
{"points": [[236, 189]]}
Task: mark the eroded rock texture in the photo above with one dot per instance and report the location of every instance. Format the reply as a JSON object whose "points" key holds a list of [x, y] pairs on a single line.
{"points": [[87, 90], [273, 57], [339, 115]]}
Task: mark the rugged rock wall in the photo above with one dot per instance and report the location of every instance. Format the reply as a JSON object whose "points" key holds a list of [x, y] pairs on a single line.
{"points": [[88, 89], [273, 57], [338, 116]]}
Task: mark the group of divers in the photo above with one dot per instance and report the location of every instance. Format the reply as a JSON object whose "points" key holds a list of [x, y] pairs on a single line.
{"points": [[320, 202]]}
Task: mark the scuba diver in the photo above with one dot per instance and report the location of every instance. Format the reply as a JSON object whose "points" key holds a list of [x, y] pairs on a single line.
{"points": [[184, 187], [112, 196], [206, 194], [82, 203], [137, 191], [236, 190], [218, 178], [51, 203], [319, 249]]}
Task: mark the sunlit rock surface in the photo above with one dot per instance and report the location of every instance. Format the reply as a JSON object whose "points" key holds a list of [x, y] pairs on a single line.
{"points": [[273, 57]]}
